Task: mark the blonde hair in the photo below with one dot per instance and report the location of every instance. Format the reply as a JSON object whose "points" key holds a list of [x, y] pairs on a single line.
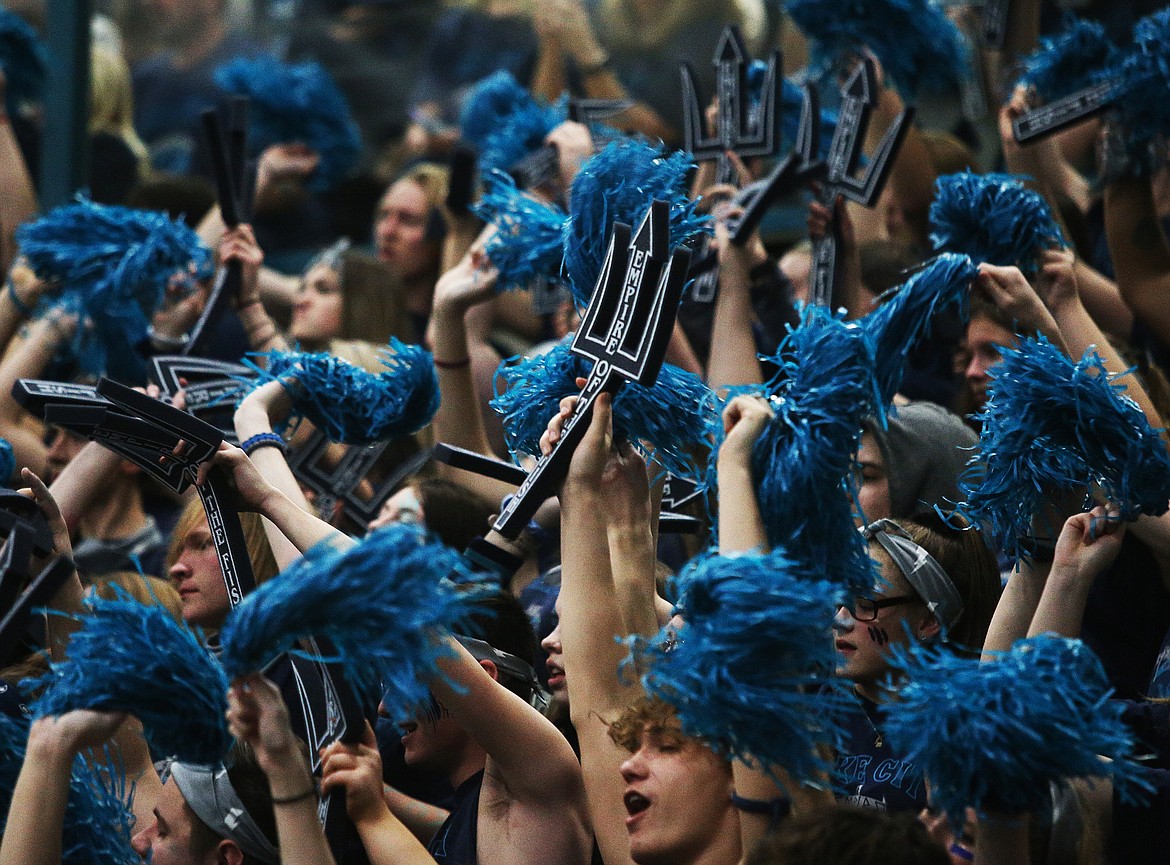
{"points": [[111, 103], [259, 552], [148, 591]]}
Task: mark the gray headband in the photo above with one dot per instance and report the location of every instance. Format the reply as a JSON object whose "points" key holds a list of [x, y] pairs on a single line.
{"points": [[921, 570], [209, 793]]}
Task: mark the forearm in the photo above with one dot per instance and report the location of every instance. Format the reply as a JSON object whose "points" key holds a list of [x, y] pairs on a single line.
{"points": [[760, 786], [459, 420], [298, 831], [733, 359], [1062, 603], [389, 842], [1081, 332], [1103, 300], [303, 529], [251, 420], [421, 819], [741, 526], [1016, 608], [36, 816], [548, 79], [631, 550], [1139, 251], [28, 360], [276, 288], [260, 329]]}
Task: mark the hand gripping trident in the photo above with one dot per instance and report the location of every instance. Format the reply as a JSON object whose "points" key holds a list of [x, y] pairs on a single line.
{"points": [[625, 332], [858, 98]]}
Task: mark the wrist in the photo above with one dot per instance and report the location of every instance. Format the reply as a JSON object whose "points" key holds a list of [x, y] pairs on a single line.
{"points": [[48, 747]]}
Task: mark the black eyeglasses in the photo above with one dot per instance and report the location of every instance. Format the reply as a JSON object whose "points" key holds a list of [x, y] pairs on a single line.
{"points": [[866, 609]]}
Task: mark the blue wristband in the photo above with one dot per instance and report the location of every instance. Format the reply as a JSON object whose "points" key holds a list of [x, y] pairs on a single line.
{"points": [[263, 440]]}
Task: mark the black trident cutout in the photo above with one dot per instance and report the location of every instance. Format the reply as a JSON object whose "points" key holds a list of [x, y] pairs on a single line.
{"points": [[625, 332], [733, 127], [858, 97], [1062, 113], [211, 387]]}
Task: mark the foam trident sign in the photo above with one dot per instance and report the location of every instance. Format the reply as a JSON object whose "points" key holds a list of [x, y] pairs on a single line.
{"points": [[859, 95], [1062, 113], [733, 126], [624, 332]]}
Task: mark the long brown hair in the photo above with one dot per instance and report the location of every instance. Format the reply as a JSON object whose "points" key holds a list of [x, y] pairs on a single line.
{"points": [[371, 300]]}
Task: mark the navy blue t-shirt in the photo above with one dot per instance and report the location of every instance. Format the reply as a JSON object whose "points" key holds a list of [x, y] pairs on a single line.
{"points": [[455, 842], [868, 772]]}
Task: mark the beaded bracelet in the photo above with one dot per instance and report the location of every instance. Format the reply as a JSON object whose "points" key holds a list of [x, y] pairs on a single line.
{"points": [[263, 440]]}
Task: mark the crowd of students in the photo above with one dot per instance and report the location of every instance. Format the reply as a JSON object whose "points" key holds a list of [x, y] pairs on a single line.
{"points": [[544, 741]]}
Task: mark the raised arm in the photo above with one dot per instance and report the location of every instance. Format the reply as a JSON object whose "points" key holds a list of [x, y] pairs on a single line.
{"points": [[510, 731], [741, 527], [18, 198], [590, 621], [239, 244], [357, 769], [732, 359], [258, 717], [1088, 544], [36, 815]]}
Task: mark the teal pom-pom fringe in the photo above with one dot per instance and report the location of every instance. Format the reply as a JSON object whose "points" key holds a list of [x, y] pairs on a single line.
{"points": [[505, 122], [1076, 58], [617, 185], [1054, 424], [384, 603], [992, 735], [7, 463], [353, 406], [1144, 71], [993, 218], [529, 240], [667, 422], [738, 611], [23, 59], [296, 102], [802, 464], [110, 265], [98, 825], [906, 315], [918, 46], [129, 657]]}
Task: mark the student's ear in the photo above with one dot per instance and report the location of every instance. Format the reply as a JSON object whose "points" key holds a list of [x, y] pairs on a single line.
{"points": [[928, 628], [492, 669], [228, 853]]}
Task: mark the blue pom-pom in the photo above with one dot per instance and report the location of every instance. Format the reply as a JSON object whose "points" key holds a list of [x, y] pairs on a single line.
{"points": [[129, 657], [992, 735], [528, 243], [803, 461], [1074, 59], [384, 603], [353, 406], [918, 46], [296, 102], [7, 463], [1054, 424], [905, 317], [98, 825], [739, 610], [110, 265], [23, 59], [618, 185], [505, 122], [1144, 111], [992, 218], [489, 102], [667, 422]]}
